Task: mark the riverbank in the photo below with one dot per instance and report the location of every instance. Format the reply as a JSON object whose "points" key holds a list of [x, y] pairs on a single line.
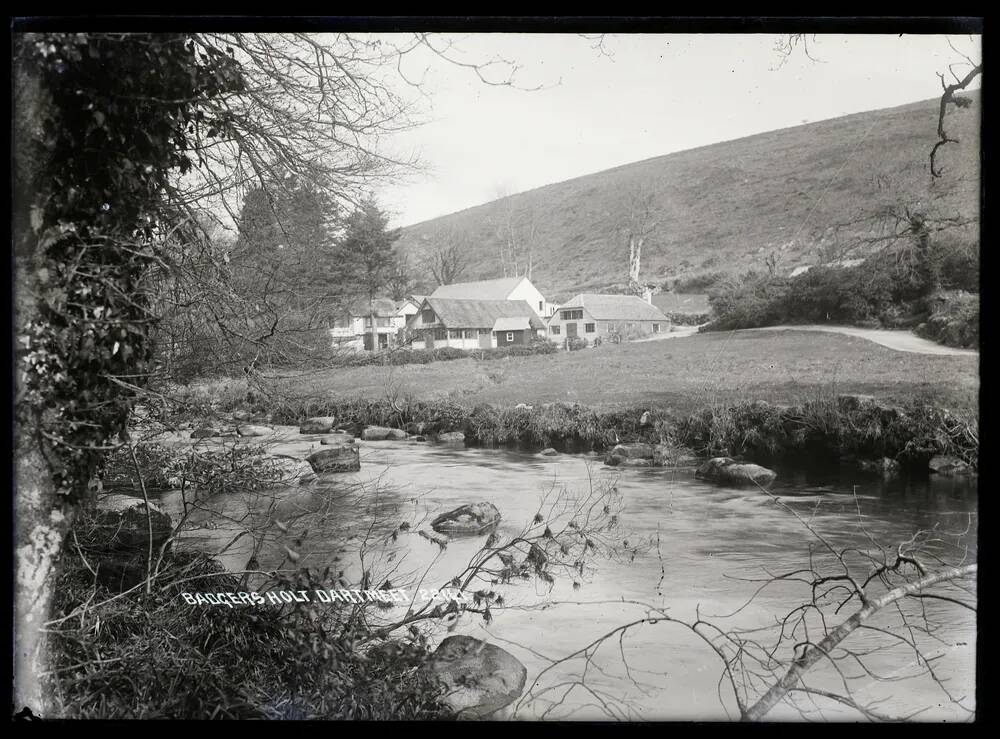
{"points": [[682, 374]]}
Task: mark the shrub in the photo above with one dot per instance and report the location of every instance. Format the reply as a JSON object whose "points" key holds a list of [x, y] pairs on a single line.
{"points": [[157, 657], [954, 320], [575, 343]]}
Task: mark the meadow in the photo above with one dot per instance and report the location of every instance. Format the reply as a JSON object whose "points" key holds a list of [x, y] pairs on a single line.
{"points": [[681, 374]]}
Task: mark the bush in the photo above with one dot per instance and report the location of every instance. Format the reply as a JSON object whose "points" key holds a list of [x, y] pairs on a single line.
{"points": [[698, 283], [954, 320], [157, 657], [575, 343]]}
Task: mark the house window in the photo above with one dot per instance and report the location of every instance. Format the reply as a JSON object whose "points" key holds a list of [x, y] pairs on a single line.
{"points": [[572, 315], [469, 333], [343, 322], [427, 316], [440, 334], [484, 332], [656, 328], [455, 333], [540, 306], [555, 330], [588, 327], [510, 336]]}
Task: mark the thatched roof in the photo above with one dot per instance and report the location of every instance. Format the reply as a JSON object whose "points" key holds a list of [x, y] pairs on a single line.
{"points": [[614, 307], [480, 313]]}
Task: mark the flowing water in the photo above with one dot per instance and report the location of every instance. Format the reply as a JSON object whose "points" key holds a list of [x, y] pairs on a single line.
{"points": [[693, 548]]}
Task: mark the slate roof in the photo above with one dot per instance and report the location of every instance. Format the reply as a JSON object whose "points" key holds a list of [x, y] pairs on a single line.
{"points": [[480, 313], [512, 323], [497, 289], [614, 307]]}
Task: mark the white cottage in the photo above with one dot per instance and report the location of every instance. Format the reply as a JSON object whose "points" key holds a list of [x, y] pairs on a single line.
{"points": [[504, 288]]}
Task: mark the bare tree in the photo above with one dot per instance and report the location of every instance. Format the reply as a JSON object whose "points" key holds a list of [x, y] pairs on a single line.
{"points": [[891, 589], [637, 220], [516, 229], [448, 263]]}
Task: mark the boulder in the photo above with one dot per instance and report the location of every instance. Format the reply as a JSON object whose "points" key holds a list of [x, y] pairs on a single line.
{"points": [[549, 452], [728, 471], [317, 425], [633, 451], [451, 437], [418, 437], [381, 433], [120, 526], [471, 519], [337, 439], [341, 458], [946, 465], [613, 460], [480, 678], [646, 419], [251, 430], [292, 469], [523, 407], [205, 433]]}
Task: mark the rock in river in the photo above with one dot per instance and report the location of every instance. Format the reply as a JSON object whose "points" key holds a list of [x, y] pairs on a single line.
{"points": [[481, 678], [205, 433], [251, 430], [949, 466], [340, 458], [549, 452], [317, 425], [336, 439], [730, 472], [381, 433], [633, 451], [471, 519], [121, 525], [451, 437]]}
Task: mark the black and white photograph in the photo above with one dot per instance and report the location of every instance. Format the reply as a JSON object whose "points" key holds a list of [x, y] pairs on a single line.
{"points": [[496, 369]]}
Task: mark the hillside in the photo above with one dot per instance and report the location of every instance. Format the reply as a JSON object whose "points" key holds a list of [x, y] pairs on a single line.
{"points": [[788, 195]]}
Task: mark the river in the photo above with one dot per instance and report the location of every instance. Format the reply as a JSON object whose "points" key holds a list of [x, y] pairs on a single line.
{"points": [[693, 547]]}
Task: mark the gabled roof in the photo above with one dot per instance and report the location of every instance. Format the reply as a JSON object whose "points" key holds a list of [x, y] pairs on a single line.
{"points": [[480, 313], [614, 307], [512, 323], [497, 289]]}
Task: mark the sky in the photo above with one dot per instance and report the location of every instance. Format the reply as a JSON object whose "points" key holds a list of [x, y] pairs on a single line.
{"points": [[638, 96]]}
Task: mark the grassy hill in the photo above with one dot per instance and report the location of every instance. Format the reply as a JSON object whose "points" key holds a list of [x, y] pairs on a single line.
{"points": [[796, 196]]}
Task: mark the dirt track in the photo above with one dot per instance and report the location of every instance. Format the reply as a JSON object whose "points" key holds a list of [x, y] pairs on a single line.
{"points": [[901, 341]]}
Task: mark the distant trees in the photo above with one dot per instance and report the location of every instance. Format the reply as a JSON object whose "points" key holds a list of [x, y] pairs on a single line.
{"points": [[367, 255], [448, 263], [516, 228]]}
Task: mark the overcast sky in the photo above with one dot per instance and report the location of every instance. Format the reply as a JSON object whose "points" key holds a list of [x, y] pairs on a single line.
{"points": [[653, 95]]}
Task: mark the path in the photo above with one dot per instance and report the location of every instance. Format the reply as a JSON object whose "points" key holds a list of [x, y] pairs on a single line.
{"points": [[900, 340]]}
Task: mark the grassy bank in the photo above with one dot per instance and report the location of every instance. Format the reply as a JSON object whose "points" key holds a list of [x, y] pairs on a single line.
{"points": [[680, 374]]}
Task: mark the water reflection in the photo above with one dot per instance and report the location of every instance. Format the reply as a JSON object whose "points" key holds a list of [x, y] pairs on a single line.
{"points": [[710, 544]]}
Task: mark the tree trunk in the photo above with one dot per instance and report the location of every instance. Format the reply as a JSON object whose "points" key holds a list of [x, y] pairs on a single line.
{"points": [[42, 514]]}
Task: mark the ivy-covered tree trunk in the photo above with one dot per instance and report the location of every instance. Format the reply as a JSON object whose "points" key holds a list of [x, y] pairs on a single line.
{"points": [[41, 517]]}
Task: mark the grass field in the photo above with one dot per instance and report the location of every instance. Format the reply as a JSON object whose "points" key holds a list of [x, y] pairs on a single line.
{"points": [[683, 374]]}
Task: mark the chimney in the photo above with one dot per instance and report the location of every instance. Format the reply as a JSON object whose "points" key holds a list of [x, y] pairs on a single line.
{"points": [[647, 295]]}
